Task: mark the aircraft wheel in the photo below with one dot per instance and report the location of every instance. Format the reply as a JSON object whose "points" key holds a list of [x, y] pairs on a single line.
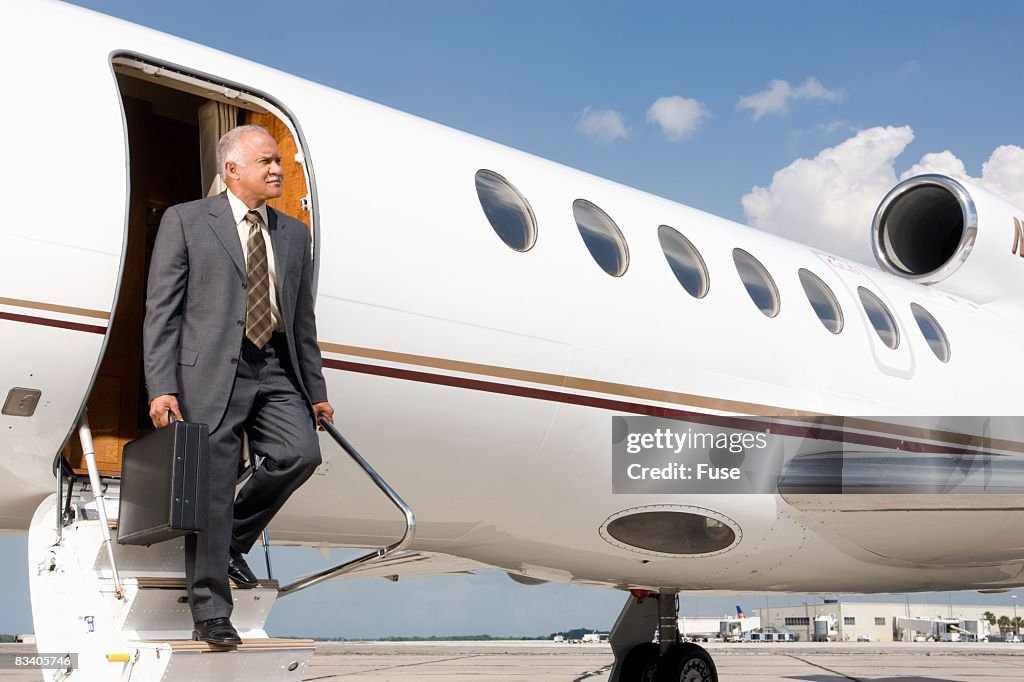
{"points": [[641, 663], [687, 663]]}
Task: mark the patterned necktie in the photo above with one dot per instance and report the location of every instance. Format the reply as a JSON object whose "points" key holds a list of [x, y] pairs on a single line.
{"points": [[258, 325]]}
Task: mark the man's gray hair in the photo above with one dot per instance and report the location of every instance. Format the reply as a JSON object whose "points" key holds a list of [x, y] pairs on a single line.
{"points": [[230, 146]]}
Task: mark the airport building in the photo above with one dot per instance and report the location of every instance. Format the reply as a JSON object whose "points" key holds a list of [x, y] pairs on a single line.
{"points": [[724, 627], [838, 621]]}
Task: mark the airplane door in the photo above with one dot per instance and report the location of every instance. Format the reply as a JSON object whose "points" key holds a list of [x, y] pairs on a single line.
{"points": [[61, 239], [106, 145], [173, 122]]}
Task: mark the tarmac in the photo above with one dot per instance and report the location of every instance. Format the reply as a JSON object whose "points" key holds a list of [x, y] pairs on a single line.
{"points": [[763, 662], [541, 661]]}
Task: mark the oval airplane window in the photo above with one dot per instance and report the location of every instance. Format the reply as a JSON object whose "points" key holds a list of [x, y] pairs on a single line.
{"points": [[507, 210], [685, 261], [602, 237], [758, 283], [822, 300], [932, 331], [880, 317]]}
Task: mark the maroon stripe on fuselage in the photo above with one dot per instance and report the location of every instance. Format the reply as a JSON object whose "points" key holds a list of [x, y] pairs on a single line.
{"points": [[47, 322], [745, 423]]}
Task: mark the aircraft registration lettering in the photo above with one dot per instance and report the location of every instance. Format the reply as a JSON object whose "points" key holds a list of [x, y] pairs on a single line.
{"points": [[840, 264]]}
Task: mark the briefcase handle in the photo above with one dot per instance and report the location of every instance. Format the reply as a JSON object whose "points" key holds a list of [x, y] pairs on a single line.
{"points": [[170, 417]]}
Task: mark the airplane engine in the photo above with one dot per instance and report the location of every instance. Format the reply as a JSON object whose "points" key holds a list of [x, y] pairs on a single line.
{"points": [[938, 231]]}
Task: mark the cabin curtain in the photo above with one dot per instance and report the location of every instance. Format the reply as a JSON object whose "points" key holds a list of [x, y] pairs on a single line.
{"points": [[215, 119]]}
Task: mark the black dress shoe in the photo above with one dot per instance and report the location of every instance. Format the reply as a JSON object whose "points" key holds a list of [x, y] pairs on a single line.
{"points": [[240, 572], [218, 631]]}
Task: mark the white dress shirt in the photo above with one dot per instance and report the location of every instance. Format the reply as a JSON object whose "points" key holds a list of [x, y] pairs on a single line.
{"points": [[239, 211]]}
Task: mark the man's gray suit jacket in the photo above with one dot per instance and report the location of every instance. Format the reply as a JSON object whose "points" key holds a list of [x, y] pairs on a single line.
{"points": [[196, 300]]}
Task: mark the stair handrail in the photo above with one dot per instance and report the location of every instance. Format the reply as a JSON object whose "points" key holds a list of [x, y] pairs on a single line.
{"points": [[89, 451], [405, 541]]}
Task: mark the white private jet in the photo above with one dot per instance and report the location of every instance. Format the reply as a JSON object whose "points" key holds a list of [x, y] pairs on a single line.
{"points": [[485, 318]]}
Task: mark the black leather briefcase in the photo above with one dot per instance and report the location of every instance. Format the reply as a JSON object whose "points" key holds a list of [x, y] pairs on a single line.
{"points": [[163, 484]]}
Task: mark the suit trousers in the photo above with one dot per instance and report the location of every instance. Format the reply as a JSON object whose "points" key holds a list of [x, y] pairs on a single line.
{"points": [[266, 404]]}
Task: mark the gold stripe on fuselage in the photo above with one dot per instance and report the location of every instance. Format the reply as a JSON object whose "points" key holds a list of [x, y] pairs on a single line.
{"points": [[54, 308], [944, 438]]}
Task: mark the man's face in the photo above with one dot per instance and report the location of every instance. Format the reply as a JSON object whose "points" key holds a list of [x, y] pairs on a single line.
{"points": [[260, 176]]}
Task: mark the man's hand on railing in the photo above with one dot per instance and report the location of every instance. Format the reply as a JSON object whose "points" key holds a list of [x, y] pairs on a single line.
{"points": [[325, 419], [323, 411]]}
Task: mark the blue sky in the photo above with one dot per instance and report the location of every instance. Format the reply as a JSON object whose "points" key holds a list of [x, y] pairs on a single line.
{"points": [[880, 84]]}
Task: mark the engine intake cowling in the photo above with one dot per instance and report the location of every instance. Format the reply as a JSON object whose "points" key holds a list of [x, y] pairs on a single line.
{"points": [[938, 231]]}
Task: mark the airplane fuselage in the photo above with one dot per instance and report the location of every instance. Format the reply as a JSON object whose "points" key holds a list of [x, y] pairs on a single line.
{"points": [[479, 380]]}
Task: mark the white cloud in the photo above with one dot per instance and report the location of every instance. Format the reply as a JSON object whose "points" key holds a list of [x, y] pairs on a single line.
{"points": [[678, 117], [776, 99], [1002, 174], [828, 201], [937, 162], [602, 125]]}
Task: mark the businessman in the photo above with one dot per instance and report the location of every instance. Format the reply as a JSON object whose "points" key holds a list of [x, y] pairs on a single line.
{"points": [[230, 341]]}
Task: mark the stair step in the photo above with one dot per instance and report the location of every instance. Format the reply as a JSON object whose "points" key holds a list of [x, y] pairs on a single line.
{"points": [[254, 644], [159, 609], [257, 658], [156, 583]]}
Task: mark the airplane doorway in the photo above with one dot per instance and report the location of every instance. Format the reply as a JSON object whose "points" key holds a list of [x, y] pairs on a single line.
{"points": [[172, 122]]}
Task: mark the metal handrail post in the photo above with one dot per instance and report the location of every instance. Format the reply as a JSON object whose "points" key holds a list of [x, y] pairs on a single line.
{"points": [[88, 449], [257, 461], [405, 541], [60, 504]]}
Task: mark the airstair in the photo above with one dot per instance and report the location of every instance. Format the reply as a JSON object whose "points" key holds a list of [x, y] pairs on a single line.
{"points": [[121, 612]]}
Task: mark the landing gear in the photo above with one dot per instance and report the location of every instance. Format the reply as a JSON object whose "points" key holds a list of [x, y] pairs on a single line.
{"points": [[638, 659], [641, 663], [686, 662]]}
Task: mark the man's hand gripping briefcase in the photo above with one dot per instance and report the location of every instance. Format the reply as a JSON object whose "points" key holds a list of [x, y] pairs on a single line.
{"points": [[163, 484]]}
